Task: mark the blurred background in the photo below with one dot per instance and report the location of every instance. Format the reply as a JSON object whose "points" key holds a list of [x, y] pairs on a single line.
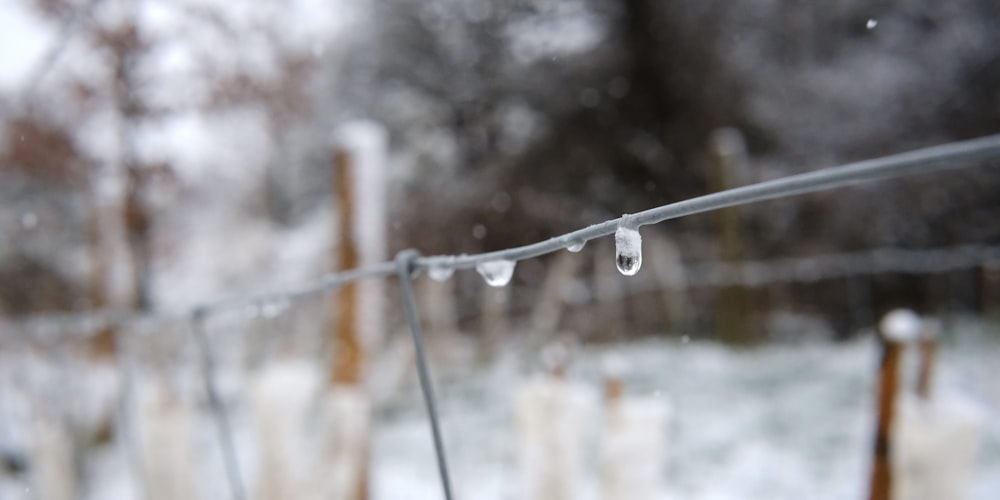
{"points": [[157, 155]]}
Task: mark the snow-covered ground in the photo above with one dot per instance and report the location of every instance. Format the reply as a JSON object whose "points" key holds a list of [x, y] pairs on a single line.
{"points": [[788, 421], [770, 423]]}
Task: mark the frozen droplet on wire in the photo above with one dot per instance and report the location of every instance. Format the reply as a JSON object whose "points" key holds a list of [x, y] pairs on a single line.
{"points": [[576, 246], [628, 250], [496, 272], [440, 272]]}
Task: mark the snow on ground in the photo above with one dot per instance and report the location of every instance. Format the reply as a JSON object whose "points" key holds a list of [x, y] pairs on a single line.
{"points": [[775, 422]]}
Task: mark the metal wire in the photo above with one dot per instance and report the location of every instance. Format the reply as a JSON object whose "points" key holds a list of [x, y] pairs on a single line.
{"points": [[407, 262], [226, 442], [930, 159], [925, 160], [404, 267]]}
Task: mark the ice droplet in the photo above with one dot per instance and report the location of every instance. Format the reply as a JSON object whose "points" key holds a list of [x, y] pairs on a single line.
{"points": [[628, 250], [496, 272], [576, 246], [440, 272], [871, 24]]}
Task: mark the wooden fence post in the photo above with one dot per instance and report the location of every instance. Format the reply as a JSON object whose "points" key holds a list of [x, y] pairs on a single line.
{"points": [[729, 157], [359, 187], [896, 328], [348, 349]]}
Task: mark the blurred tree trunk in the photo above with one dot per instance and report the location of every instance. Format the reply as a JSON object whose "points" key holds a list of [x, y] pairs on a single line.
{"points": [[120, 235]]}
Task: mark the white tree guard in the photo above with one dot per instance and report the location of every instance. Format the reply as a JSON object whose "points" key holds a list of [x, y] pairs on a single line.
{"points": [[282, 395], [166, 440], [342, 461], [634, 444], [935, 447], [53, 475], [551, 414]]}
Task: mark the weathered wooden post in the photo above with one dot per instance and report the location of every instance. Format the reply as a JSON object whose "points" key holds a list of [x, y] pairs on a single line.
{"points": [[359, 184], [896, 328], [729, 163]]}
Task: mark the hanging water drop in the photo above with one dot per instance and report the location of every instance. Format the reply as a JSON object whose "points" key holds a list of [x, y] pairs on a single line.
{"points": [[440, 272], [496, 272], [576, 246], [628, 250]]}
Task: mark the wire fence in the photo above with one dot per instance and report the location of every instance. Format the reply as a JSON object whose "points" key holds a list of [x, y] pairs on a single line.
{"points": [[408, 263]]}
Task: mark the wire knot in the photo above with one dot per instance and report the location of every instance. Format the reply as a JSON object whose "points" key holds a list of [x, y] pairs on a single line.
{"points": [[406, 261]]}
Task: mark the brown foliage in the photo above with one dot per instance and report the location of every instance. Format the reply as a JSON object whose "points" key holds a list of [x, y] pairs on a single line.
{"points": [[38, 150]]}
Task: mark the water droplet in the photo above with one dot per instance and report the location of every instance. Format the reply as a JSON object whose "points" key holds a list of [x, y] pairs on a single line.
{"points": [[440, 272], [628, 250], [871, 24], [29, 220], [576, 246], [496, 272], [479, 231]]}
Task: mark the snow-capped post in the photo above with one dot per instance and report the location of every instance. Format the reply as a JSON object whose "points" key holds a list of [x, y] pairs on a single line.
{"points": [[633, 440], [727, 150], [896, 328], [550, 414], [359, 187]]}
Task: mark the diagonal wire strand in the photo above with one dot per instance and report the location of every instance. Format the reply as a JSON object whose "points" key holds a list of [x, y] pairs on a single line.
{"points": [[404, 266], [227, 442]]}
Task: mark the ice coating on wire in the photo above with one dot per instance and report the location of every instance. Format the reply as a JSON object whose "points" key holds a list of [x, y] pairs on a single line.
{"points": [[628, 250], [497, 273], [440, 272]]}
